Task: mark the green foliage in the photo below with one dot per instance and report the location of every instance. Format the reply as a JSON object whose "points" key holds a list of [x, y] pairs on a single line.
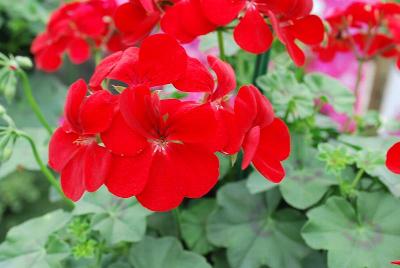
{"points": [[164, 252], [366, 235], [254, 232], [336, 157], [25, 245], [116, 219]]}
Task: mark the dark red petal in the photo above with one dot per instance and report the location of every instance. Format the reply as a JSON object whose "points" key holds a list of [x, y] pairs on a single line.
{"points": [[140, 109], [229, 135], [197, 169], [48, 61], [309, 30], [62, 149], [275, 141], [196, 78], [119, 66], [196, 125], [148, 5], [134, 21], [222, 12], [75, 97], [72, 176], [79, 50], [269, 168], [393, 158], [121, 139], [162, 60], [128, 175], [295, 52], [252, 33], [97, 112], [225, 76], [97, 163], [396, 262], [164, 190], [250, 146], [172, 24], [245, 108], [265, 111]]}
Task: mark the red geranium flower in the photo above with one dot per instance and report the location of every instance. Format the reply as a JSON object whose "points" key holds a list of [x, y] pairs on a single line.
{"points": [[267, 139], [198, 79], [73, 28], [165, 149], [159, 61], [393, 158], [73, 149]]}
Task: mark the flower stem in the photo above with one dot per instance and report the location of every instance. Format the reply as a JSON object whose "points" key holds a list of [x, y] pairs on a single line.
{"points": [[261, 67], [359, 175], [50, 177], [32, 102], [221, 45], [357, 87], [177, 217]]}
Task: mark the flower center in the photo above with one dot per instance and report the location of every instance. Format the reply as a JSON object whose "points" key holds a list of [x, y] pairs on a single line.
{"points": [[159, 146], [85, 140]]}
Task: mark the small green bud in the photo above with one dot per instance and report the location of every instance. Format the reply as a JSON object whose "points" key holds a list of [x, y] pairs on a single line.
{"points": [[6, 154], [2, 110], [24, 62]]}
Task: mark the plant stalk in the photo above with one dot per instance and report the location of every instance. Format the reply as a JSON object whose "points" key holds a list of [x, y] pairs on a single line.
{"points": [[221, 46]]}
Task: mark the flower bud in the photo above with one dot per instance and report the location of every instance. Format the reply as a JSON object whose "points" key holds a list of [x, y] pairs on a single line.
{"points": [[24, 62], [5, 154]]}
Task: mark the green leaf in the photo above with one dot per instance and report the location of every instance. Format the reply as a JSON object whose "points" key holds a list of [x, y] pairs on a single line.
{"points": [[338, 95], [253, 233], [257, 183], [371, 157], [285, 92], [25, 244], [193, 224], [304, 186], [116, 219], [365, 236], [164, 252]]}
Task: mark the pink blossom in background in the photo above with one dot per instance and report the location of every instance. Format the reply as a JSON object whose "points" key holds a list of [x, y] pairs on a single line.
{"points": [[330, 6]]}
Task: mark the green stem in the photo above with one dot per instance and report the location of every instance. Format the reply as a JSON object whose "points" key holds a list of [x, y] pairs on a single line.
{"points": [[32, 102], [177, 217], [221, 45], [261, 67], [359, 175], [50, 177]]}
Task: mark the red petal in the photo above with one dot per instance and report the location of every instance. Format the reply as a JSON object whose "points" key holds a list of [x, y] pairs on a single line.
{"points": [[194, 21], [222, 12], [172, 24], [162, 60], [128, 175], [196, 125], [97, 112], [197, 169], [275, 141], [140, 110], [148, 5], [97, 162], [121, 139], [119, 66], [79, 51], [265, 111], [309, 30], [245, 108], [225, 75], [196, 78], [295, 52], [396, 262], [75, 97], [393, 158], [48, 60], [72, 177], [163, 190], [62, 149], [252, 33], [134, 21], [250, 146], [269, 168]]}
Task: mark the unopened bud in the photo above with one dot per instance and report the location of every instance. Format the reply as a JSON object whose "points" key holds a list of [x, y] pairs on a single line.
{"points": [[24, 62], [6, 154]]}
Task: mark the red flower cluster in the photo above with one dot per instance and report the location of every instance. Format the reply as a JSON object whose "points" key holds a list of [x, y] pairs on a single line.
{"points": [[162, 150], [188, 19], [75, 28], [393, 158], [369, 30]]}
